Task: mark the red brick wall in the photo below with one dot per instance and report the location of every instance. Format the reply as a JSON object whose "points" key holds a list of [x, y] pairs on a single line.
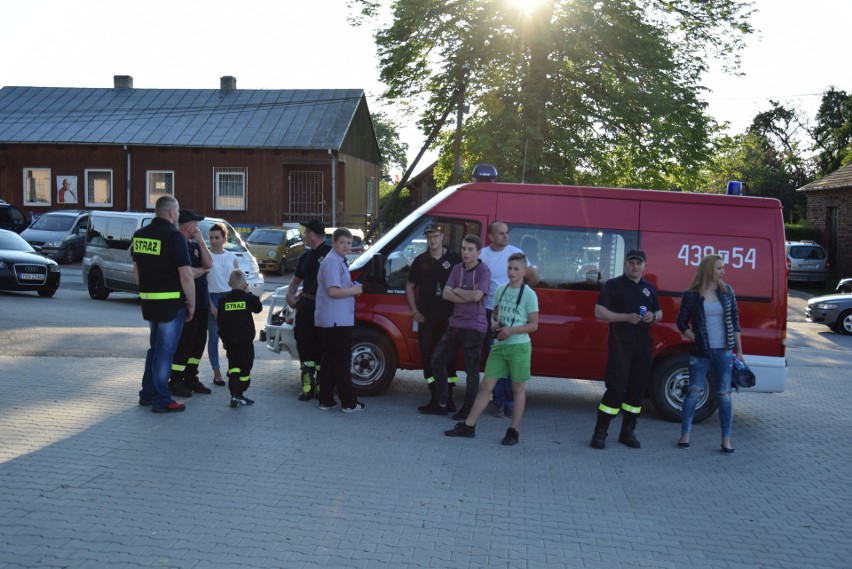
{"points": [[818, 204]]}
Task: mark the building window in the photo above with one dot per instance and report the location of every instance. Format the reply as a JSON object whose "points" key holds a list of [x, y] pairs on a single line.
{"points": [[160, 183], [37, 186], [98, 188], [229, 185]]}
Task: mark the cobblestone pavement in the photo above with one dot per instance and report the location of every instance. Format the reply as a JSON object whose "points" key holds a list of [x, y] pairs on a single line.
{"points": [[89, 479]]}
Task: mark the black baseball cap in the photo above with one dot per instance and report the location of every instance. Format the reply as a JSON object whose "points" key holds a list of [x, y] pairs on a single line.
{"points": [[635, 254], [187, 215], [433, 228], [314, 225]]}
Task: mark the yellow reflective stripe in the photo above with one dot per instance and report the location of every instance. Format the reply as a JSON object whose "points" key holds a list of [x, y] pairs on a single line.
{"points": [[233, 370], [630, 409], [245, 378], [176, 367], [159, 295], [430, 380], [608, 410], [193, 361], [452, 379], [310, 364]]}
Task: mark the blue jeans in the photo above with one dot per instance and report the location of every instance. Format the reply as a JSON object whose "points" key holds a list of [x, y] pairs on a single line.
{"points": [[721, 360], [213, 331], [158, 361]]}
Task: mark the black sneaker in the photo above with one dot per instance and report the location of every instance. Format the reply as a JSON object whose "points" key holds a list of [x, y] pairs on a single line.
{"points": [[511, 437], [451, 405], [356, 409], [247, 400], [236, 402], [326, 407], [197, 387], [434, 409], [461, 430], [463, 413], [145, 402], [179, 389]]}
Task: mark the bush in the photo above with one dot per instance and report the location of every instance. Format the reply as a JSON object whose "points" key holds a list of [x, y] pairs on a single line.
{"points": [[802, 231]]}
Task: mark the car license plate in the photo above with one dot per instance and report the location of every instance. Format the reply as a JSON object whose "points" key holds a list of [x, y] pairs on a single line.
{"points": [[807, 266], [31, 277]]}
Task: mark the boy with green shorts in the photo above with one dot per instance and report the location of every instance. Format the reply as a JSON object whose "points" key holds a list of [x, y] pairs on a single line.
{"points": [[515, 317]]}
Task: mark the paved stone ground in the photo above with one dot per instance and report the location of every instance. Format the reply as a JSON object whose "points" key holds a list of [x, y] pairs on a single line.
{"points": [[88, 479]]}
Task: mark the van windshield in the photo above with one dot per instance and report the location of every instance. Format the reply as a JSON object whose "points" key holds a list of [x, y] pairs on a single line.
{"points": [[234, 242], [266, 237], [54, 222]]}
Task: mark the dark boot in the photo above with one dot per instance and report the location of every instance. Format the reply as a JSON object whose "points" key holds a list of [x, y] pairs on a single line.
{"points": [[178, 388], [601, 429], [628, 424], [451, 406], [309, 383], [431, 398]]}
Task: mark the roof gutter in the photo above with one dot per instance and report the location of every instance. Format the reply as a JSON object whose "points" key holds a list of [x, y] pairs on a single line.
{"points": [[333, 187]]}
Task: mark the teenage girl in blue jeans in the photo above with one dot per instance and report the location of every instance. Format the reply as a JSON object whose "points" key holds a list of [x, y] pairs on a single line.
{"points": [[709, 318]]}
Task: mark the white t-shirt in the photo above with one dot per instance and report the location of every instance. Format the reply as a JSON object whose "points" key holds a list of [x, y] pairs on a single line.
{"points": [[223, 264], [498, 263]]}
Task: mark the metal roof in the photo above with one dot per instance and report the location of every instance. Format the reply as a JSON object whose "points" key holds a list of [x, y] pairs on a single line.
{"points": [[239, 118]]}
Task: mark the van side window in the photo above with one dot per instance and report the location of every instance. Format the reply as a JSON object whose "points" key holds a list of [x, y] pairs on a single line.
{"points": [[573, 258], [407, 246]]}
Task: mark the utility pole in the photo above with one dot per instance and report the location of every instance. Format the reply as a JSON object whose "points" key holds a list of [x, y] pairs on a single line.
{"points": [[460, 91]]}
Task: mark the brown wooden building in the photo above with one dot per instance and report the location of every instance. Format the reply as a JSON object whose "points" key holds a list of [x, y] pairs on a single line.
{"points": [[251, 156], [830, 211]]}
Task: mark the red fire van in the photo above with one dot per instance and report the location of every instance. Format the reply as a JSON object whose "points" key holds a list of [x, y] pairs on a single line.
{"points": [[577, 238]]}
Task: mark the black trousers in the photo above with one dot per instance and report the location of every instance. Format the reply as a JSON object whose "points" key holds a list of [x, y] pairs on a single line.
{"points": [[628, 370], [451, 341], [307, 335], [193, 339], [336, 367], [429, 334], [240, 362]]}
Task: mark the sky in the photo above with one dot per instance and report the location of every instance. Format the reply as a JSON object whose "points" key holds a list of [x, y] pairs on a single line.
{"points": [[797, 53]]}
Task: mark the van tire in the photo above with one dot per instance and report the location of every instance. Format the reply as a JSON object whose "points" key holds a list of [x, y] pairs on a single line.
{"points": [[97, 286], [844, 323], [669, 377], [373, 361], [69, 255]]}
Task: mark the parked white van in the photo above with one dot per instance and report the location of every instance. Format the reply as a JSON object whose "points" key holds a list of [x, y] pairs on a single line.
{"points": [[108, 264]]}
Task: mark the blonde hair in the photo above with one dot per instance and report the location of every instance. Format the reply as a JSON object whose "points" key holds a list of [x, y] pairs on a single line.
{"points": [[237, 279], [705, 275]]}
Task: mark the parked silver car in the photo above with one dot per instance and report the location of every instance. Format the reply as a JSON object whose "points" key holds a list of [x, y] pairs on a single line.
{"points": [[833, 310], [807, 261]]}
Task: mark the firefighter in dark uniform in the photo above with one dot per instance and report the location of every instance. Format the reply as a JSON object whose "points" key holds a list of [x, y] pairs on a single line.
{"points": [[629, 304], [167, 293], [236, 328], [307, 336], [428, 275], [183, 381]]}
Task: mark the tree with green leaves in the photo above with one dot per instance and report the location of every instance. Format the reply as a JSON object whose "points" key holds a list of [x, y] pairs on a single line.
{"points": [[393, 150], [833, 132], [565, 91]]}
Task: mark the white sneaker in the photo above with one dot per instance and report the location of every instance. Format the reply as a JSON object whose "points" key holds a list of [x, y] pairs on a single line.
{"points": [[357, 409]]}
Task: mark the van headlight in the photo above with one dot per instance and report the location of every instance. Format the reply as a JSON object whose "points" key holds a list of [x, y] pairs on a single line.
{"points": [[53, 268], [272, 254], [826, 305]]}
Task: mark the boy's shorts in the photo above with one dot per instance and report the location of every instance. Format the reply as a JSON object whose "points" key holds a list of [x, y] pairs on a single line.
{"points": [[509, 360]]}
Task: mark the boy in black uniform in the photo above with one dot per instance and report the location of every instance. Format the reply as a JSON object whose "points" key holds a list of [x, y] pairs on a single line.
{"points": [[429, 273], [236, 328]]}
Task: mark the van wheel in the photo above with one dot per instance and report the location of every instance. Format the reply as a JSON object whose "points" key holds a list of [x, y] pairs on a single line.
{"points": [[669, 382], [97, 287], [844, 323], [373, 361], [69, 255]]}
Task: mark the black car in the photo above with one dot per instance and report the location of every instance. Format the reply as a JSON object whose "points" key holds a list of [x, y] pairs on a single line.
{"points": [[22, 268], [12, 218]]}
